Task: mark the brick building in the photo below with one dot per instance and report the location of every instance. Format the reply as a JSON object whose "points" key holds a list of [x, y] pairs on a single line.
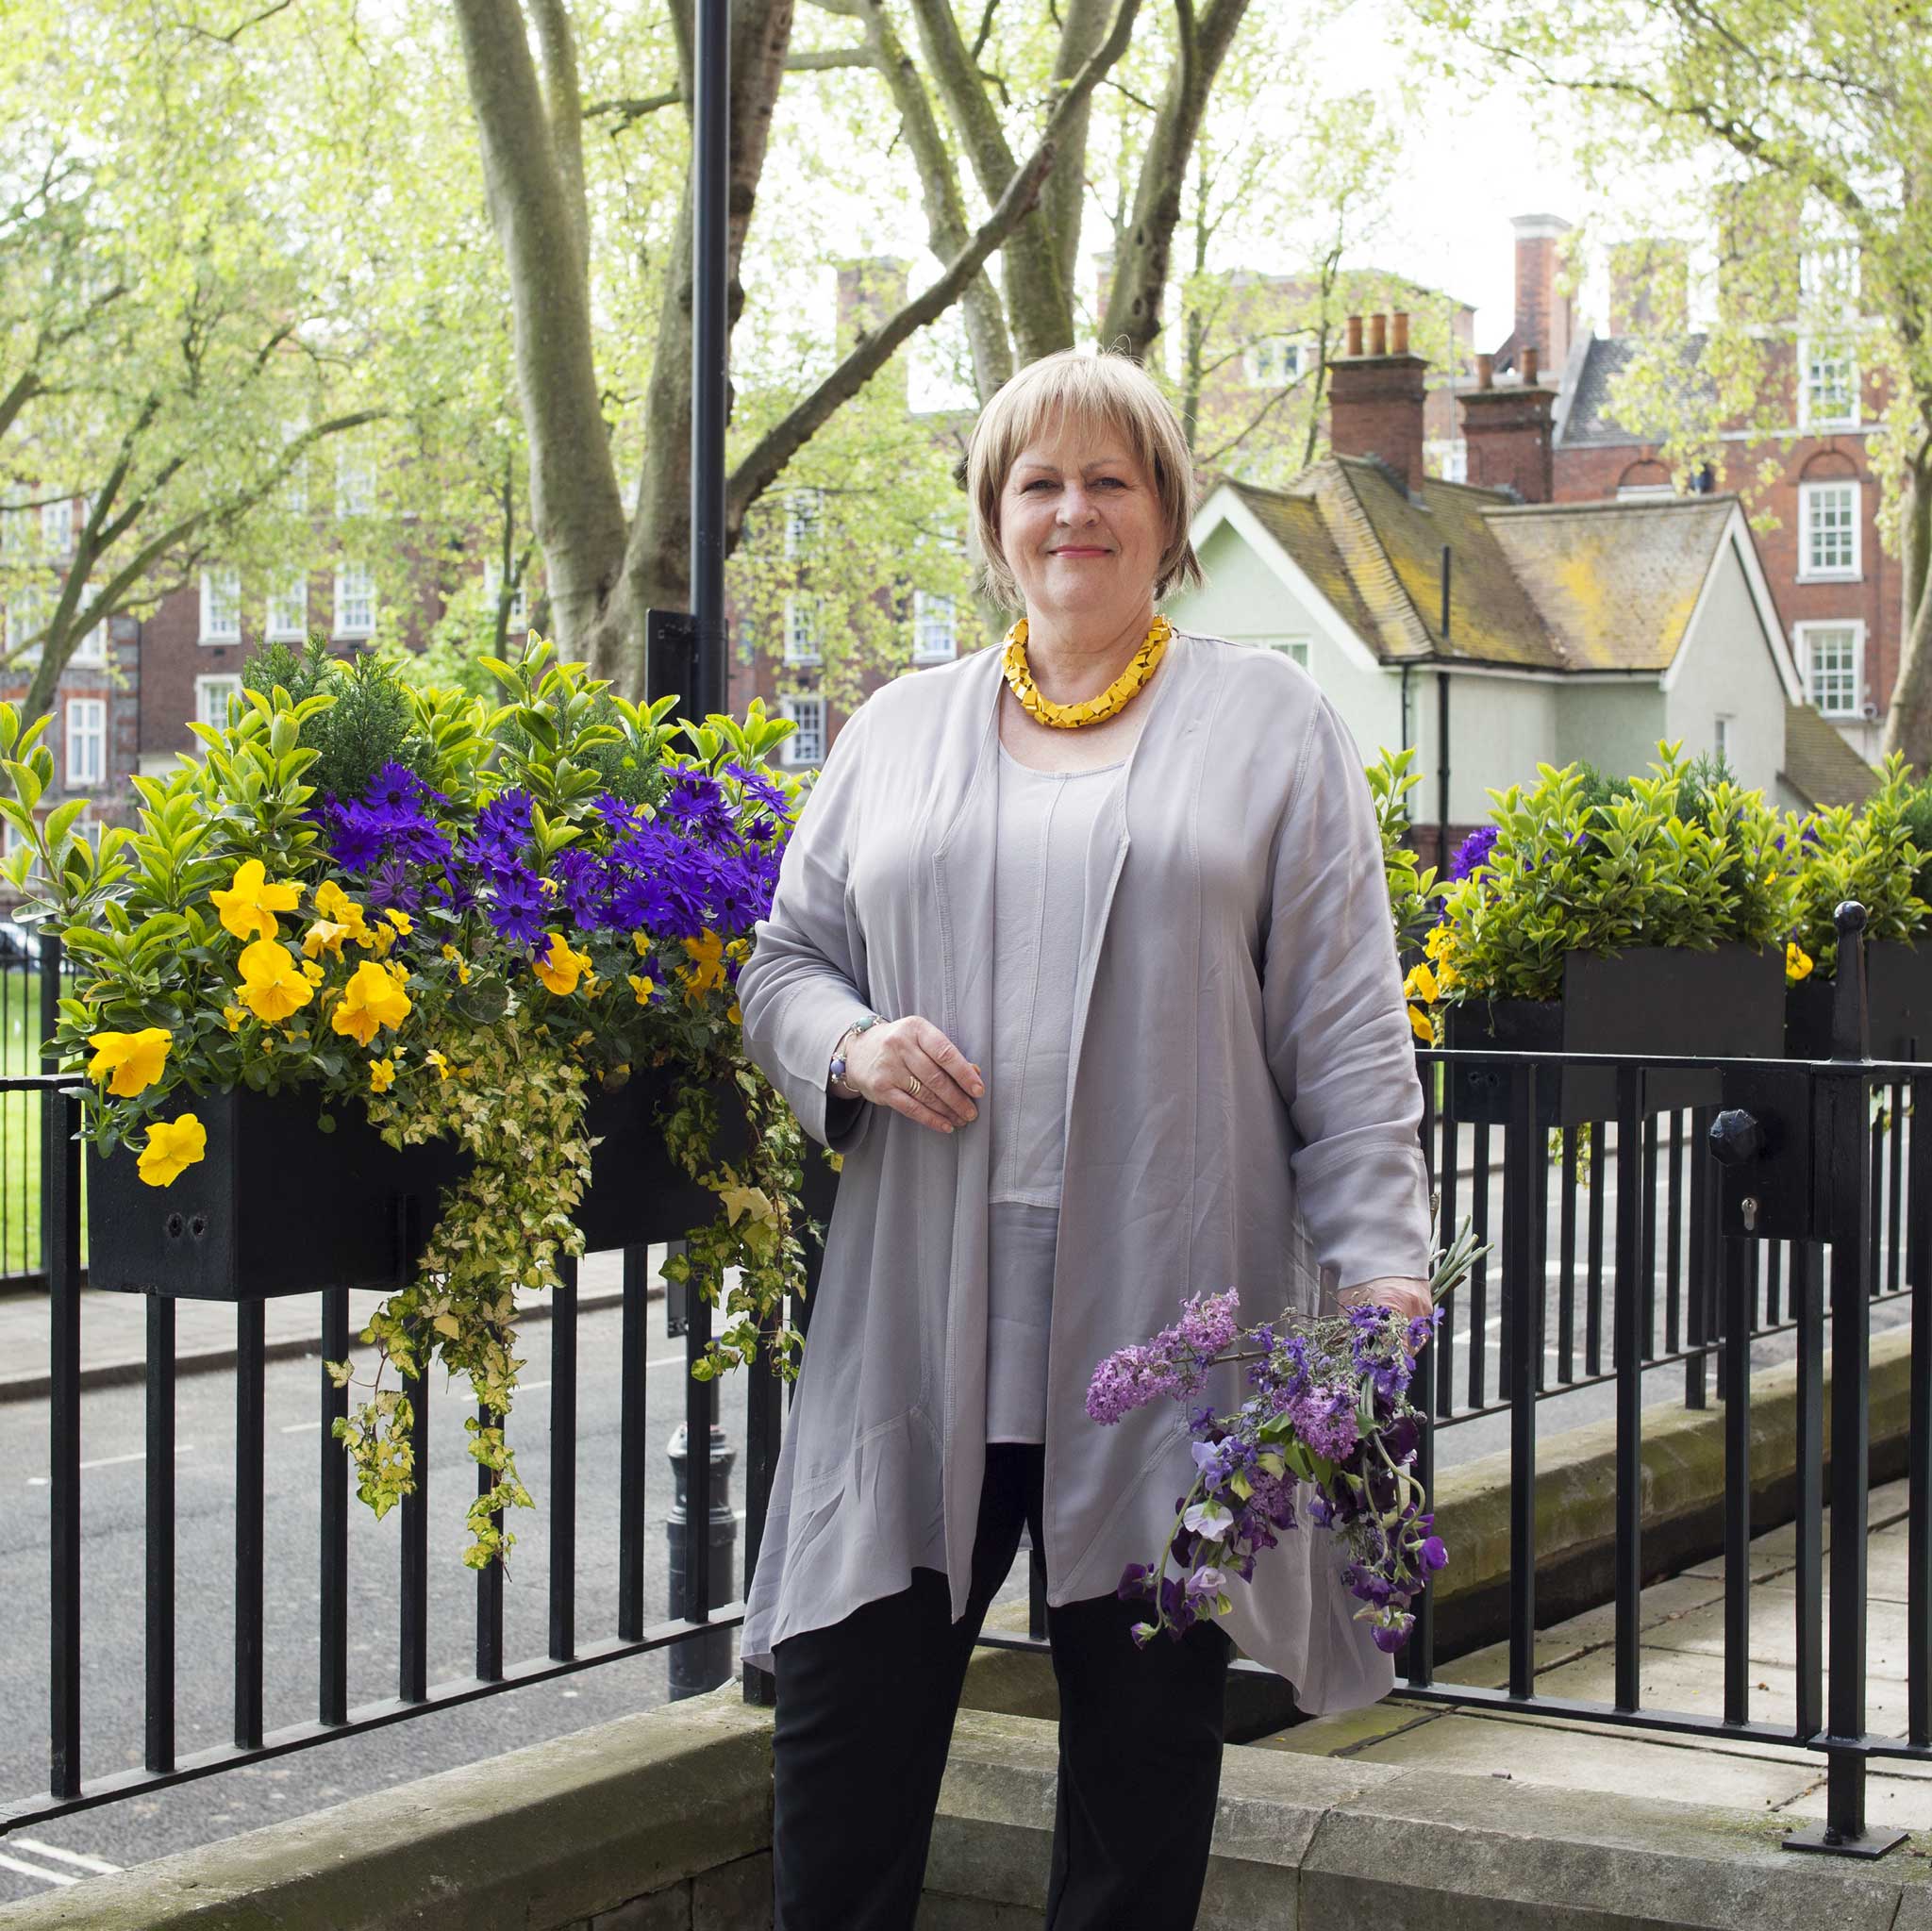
{"points": [[1838, 594]]}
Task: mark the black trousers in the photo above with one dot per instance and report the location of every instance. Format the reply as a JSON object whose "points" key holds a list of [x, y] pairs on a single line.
{"points": [[864, 1717]]}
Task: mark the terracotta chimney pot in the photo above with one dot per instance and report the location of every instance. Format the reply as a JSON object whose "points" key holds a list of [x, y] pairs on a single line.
{"points": [[1485, 372], [1378, 335], [1355, 335], [1526, 363], [1398, 333]]}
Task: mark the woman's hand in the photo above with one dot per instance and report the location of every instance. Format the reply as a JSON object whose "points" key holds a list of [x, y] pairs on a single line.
{"points": [[883, 1060], [1409, 1297]]}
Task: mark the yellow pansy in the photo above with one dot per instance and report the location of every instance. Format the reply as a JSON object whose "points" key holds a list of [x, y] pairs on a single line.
{"points": [[312, 971], [642, 942], [1420, 984], [173, 1146], [706, 968], [738, 948], [1419, 1024], [435, 1060], [1797, 962], [134, 1060], [561, 967], [736, 1017], [271, 986], [401, 920], [382, 1076], [457, 959], [326, 935], [234, 1015], [642, 987], [334, 904], [1440, 939], [374, 998], [249, 906]]}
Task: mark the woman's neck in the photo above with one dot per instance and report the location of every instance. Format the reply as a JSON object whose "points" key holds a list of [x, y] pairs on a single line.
{"points": [[1072, 657]]}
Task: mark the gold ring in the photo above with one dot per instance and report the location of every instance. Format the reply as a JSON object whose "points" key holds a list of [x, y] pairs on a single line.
{"points": [[912, 1085]]}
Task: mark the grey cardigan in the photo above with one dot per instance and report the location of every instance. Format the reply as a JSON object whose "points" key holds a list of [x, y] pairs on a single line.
{"points": [[1244, 1106]]}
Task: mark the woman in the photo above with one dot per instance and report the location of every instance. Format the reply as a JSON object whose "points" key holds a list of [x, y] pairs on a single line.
{"points": [[1081, 955]]}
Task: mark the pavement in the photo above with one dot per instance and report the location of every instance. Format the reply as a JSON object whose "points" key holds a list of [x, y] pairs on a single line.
{"points": [[1681, 1667], [113, 1328]]}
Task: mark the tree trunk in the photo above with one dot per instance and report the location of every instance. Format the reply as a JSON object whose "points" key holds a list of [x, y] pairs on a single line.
{"points": [[1908, 722], [574, 504]]}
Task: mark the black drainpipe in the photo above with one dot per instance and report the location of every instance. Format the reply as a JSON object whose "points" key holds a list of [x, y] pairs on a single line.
{"points": [[1443, 735]]}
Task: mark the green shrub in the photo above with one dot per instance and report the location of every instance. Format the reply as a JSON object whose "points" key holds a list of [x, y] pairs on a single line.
{"points": [[1869, 855]]}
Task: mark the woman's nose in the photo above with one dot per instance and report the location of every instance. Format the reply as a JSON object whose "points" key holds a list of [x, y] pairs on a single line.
{"points": [[1076, 506]]}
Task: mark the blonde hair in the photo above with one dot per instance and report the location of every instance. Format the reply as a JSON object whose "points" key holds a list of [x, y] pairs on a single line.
{"points": [[1110, 388]]}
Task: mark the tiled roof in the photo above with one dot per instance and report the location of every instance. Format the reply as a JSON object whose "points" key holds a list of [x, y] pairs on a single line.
{"points": [[1819, 765], [1583, 587], [1589, 419], [1615, 582]]}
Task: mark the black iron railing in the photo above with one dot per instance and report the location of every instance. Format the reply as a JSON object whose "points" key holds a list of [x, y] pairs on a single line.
{"points": [[1789, 1200]]}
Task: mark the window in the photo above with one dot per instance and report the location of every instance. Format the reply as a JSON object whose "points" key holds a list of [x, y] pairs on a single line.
{"points": [[87, 742], [493, 590], [27, 610], [354, 480], [806, 744], [803, 511], [1274, 361], [92, 649], [293, 492], [211, 696], [1723, 739], [1639, 493], [935, 628], [56, 528], [288, 611], [354, 601], [1827, 529], [1448, 458], [221, 607], [1294, 648], [1830, 653], [15, 532], [1829, 279], [801, 630], [1828, 396]]}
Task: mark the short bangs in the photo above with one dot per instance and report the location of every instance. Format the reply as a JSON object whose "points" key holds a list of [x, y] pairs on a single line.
{"points": [[1110, 389]]}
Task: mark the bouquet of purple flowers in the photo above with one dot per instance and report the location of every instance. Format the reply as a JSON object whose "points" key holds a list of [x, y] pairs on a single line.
{"points": [[1331, 1411]]}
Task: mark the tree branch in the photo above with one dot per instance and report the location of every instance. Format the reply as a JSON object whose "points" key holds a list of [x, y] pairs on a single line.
{"points": [[818, 60], [563, 110]]}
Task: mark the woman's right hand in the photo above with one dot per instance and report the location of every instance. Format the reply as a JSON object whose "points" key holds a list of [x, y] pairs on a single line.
{"points": [[882, 1060]]}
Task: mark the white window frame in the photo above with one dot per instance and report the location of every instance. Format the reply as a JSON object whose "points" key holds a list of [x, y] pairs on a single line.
{"points": [[1806, 636], [1294, 648], [492, 589], [802, 629], [221, 607], [1273, 361], [806, 745], [28, 608], [1724, 735], [211, 694], [354, 477], [1645, 492], [934, 615], [287, 620], [1818, 267], [16, 530], [354, 622], [84, 723], [1809, 570], [56, 528], [91, 651], [805, 511], [1811, 359]]}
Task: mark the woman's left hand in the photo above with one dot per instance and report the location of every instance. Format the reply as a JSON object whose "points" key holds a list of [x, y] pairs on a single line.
{"points": [[1408, 1296]]}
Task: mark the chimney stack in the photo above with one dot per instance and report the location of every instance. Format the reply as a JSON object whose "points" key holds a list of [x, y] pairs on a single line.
{"points": [[1543, 316], [1649, 286], [1506, 431], [1376, 400]]}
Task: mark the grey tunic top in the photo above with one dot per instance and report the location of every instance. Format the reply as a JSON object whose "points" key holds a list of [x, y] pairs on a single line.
{"points": [[1046, 824], [1243, 1111]]}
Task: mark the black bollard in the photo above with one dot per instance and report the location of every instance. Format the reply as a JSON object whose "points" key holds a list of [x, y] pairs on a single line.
{"points": [[701, 1662]]}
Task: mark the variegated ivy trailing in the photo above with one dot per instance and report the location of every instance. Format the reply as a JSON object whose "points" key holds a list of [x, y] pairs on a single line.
{"points": [[464, 918]]}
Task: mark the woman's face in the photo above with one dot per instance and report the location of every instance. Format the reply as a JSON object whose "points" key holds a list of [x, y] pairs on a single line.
{"points": [[1080, 524]]}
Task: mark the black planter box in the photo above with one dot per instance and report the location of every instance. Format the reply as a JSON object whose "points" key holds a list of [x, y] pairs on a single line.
{"points": [[275, 1206], [1652, 999], [637, 1194], [1898, 1003]]}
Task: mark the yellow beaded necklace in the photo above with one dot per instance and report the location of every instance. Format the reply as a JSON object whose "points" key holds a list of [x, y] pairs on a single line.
{"points": [[1089, 710]]}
